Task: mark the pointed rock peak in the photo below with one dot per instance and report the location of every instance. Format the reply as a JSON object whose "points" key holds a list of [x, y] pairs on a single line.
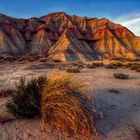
{"points": [[59, 13], [54, 15]]}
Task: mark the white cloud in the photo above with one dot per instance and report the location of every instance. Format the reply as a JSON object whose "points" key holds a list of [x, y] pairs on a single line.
{"points": [[131, 21]]}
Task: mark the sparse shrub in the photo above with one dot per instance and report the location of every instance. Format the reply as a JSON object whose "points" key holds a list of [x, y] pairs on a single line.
{"points": [[110, 66], [73, 69], [130, 64], [117, 64], [94, 64], [25, 101], [66, 105], [121, 76], [77, 64]]}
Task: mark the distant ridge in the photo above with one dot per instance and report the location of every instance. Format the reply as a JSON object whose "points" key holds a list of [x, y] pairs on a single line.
{"points": [[67, 38]]}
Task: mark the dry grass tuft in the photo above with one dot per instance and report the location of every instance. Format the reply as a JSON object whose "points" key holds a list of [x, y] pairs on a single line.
{"points": [[131, 64], [66, 105], [94, 64], [110, 66], [115, 65], [73, 69]]}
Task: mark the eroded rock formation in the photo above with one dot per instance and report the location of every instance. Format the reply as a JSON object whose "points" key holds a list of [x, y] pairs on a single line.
{"points": [[67, 38]]}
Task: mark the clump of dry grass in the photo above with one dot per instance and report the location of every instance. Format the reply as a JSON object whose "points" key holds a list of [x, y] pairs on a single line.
{"points": [[73, 69], [94, 64], [66, 105], [117, 64], [130, 64], [110, 66]]}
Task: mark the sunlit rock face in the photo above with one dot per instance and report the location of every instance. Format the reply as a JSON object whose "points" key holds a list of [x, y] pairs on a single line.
{"points": [[67, 38]]}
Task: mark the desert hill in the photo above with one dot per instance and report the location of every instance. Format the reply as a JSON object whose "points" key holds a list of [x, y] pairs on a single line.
{"points": [[67, 38]]}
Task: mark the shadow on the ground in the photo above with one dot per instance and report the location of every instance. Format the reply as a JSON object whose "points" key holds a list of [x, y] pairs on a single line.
{"points": [[120, 111]]}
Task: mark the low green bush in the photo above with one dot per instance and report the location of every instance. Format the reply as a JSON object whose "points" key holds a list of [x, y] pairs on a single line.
{"points": [[121, 76], [25, 101]]}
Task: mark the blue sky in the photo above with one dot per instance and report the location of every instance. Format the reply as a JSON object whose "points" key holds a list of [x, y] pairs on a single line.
{"points": [[126, 12]]}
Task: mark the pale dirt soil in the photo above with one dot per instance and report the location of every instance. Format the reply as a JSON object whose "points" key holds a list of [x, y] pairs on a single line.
{"points": [[120, 110]]}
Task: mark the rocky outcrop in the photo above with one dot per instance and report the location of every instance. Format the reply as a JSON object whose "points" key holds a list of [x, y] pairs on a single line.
{"points": [[67, 38]]}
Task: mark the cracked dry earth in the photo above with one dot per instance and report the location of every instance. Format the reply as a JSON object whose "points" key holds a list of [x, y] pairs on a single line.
{"points": [[117, 100]]}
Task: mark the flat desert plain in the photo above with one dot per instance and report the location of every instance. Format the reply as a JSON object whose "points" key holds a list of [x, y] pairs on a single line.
{"points": [[117, 103]]}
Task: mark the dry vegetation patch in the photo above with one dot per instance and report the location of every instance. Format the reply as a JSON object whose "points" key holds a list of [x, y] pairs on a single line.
{"points": [[66, 105], [25, 101], [94, 64], [115, 65], [73, 69], [60, 100]]}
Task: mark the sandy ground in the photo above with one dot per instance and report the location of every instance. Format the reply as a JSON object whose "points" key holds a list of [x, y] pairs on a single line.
{"points": [[117, 100]]}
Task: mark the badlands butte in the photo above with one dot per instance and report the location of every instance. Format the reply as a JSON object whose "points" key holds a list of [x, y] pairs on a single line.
{"points": [[59, 36]]}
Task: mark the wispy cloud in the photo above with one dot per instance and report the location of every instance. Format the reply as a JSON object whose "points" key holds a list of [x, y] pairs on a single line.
{"points": [[131, 21]]}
